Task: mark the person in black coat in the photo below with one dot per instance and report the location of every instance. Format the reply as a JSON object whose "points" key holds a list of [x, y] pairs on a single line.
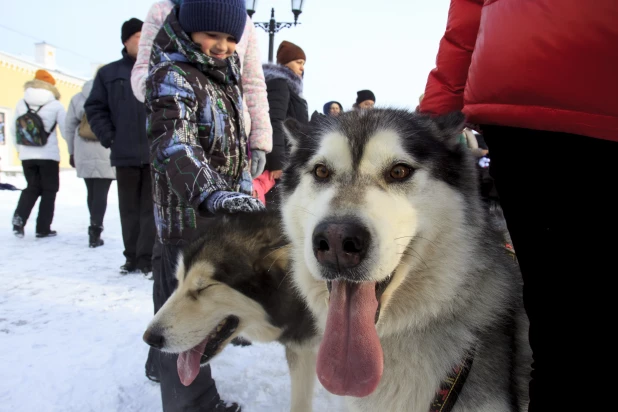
{"points": [[118, 120], [284, 85], [365, 100]]}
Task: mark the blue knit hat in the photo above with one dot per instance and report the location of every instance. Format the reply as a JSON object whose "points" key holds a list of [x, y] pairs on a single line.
{"points": [[224, 16]]}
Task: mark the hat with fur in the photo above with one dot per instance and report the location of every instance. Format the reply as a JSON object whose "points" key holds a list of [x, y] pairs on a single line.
{"points": [[223, 16], [288, 52], [364, 95], [44, 76]]}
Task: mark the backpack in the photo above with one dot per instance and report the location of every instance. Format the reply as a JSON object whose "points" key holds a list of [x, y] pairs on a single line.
{"points": [[30, 130], [85, 131]]}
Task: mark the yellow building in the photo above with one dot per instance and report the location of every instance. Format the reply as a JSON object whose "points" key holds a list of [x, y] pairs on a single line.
{"points": [[14, 73]]}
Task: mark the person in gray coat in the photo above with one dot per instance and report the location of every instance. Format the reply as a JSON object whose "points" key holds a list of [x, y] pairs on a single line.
{"points": [[91, 161]]}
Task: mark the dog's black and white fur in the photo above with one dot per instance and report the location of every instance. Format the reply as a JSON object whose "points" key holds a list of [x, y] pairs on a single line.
{"points": [[402, 196], [235, 281], [389, 198]]}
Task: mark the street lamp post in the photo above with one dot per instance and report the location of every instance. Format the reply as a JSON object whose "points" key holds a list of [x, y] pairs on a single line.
{"points": [[274, 26]]}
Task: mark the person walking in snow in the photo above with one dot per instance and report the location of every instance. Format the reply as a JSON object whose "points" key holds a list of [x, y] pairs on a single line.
{"points": [[200, 160], [41, 164], [284, 84], [118, 120], [91, 161]]}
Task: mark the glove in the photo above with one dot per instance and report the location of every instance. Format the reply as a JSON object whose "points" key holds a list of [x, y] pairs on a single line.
{"points": [[72, 161], [258, 162], [231, 202], [107, 141]]}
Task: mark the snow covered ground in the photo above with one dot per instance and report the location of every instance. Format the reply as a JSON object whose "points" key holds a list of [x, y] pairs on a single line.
{"points": [[71, 325]]}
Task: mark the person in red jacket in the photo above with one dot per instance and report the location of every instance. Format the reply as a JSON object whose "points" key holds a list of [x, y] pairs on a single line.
{"points": [[541, 78]]}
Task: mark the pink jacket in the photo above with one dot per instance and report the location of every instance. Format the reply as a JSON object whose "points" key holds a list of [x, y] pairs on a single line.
{"points": [[257, 120], [262, 185]]}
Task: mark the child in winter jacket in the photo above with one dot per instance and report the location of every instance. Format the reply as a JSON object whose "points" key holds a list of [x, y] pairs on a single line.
{"points": [[255, 102], [195, 123], [199, 158]]}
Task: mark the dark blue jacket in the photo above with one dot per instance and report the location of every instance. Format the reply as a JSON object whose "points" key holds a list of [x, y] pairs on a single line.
{"points": [[116, 117]]}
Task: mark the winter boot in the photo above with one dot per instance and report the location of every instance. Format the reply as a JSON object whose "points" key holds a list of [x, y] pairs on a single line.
{"points": [[94, 234], [49, 233], [128, 267], [223, 406], [18, 231], [18, 226], [146, 271]]}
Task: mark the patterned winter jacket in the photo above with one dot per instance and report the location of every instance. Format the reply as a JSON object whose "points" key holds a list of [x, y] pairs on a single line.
{"points": [[195, 123], [257, 122]]}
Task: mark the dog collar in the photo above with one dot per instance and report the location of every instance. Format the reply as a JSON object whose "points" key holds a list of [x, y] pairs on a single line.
{"points": [[450, 388]]}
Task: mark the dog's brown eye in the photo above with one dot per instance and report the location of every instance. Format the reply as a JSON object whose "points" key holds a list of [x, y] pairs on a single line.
{"points": [[400, 172], [321, 172]]}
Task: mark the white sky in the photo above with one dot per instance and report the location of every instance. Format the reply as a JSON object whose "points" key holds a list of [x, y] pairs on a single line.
{"points": [[388, 46]]}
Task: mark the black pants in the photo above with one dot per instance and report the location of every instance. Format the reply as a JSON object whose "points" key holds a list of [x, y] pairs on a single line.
{"points": [[202, 395], [557, 191], [97, 199], [136, 213], [43, 177]]}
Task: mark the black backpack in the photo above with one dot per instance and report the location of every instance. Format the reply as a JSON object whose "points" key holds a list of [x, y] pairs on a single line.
{"points": [[30, 130]]}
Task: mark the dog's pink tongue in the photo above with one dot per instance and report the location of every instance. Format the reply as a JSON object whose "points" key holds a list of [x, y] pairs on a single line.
{"points": [[350, 360], [188, 363]]}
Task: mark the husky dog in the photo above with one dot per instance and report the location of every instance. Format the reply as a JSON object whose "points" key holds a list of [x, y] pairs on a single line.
{"points": [[411, 288], [234, 281]]}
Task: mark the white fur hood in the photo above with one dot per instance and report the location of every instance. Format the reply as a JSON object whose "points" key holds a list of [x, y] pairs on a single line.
{"points": [[42, 86], [38, 97]]}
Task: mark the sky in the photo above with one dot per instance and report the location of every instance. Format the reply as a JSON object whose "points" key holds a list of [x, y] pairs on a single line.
{"points": [[388, 46]]}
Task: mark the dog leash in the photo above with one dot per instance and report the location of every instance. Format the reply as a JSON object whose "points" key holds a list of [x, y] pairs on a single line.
{"points": [[450, 388]]}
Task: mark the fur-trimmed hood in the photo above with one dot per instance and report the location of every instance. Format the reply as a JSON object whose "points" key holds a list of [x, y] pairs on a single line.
{"points": [[39, 84], [277, 71]]}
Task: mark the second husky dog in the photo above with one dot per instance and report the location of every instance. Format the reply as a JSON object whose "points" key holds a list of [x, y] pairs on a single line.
{"points": [[234, 281]]}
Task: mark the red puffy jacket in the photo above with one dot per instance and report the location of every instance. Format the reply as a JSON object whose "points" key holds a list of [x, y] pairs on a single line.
{"points": [[537, 64]]}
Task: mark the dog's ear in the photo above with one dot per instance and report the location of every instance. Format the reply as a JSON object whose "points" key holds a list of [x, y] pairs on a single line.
{"points": [[450, 127], [295, 132]]}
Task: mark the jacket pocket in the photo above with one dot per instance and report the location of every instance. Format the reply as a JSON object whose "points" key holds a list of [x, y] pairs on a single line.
{"points": [[117, 90], [205, 136]]}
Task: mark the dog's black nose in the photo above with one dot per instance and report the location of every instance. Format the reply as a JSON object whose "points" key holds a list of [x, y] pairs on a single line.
{"points": [[340, 245], [153, 339]]}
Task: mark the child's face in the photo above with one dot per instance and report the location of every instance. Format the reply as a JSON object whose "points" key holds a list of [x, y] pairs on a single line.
{"points": [[215, 44]]}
